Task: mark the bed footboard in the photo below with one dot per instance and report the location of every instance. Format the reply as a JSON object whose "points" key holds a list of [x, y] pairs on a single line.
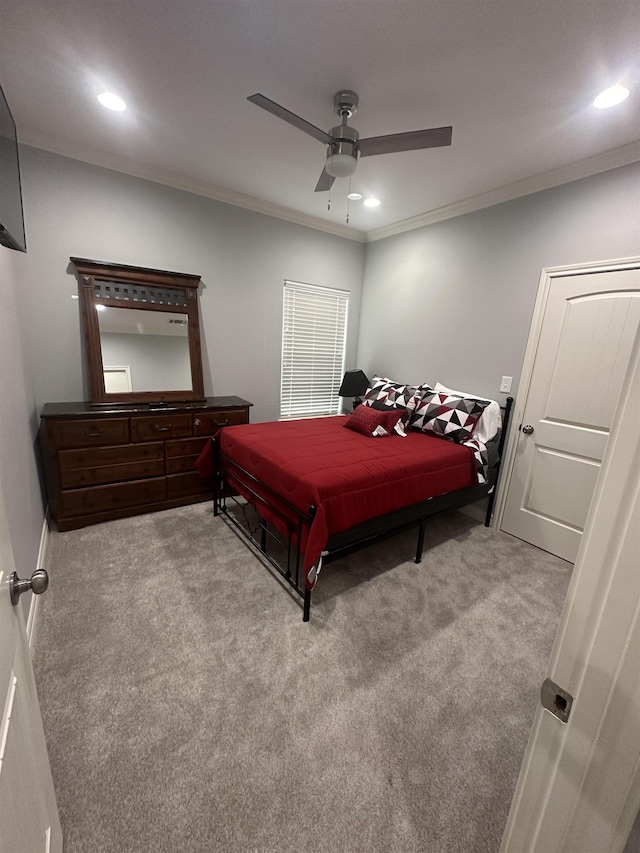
{"points": [[291, 526]]}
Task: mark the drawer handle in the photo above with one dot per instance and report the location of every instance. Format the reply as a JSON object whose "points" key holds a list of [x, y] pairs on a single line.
{"points": [[221, 423], [93, 434], [159, 428]]}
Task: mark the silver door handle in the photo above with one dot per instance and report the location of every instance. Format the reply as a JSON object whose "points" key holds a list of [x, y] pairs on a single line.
{"points": [[527, 429], [37, 583]]}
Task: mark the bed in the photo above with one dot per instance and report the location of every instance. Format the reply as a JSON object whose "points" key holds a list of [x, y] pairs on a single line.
{"points": [[323, 490]]}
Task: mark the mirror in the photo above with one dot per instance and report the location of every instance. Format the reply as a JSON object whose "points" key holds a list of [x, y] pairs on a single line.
{"points": [[148, 348], [141, 331]]}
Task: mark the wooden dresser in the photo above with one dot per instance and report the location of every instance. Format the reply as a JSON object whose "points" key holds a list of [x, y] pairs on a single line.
{"points": [[115, 461]]}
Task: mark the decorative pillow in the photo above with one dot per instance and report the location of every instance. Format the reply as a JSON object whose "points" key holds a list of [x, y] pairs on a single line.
{"points": [[402, 411], [447, 415], [393, 393], [490, 420], [370, 421]]}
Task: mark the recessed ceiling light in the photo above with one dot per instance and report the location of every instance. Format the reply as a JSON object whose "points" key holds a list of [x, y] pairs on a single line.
{"points": [[610, 97], [355, 196], [372, 202], [112, 101]]}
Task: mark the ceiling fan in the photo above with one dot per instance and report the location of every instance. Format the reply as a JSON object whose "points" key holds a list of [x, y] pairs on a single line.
{"points": [[344, 143]]}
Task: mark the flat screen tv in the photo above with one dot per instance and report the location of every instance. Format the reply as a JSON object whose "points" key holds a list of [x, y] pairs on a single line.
{"points": [[11, 216]]}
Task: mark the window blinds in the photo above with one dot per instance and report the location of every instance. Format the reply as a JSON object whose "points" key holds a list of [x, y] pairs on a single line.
{"points": [[313, 344]]}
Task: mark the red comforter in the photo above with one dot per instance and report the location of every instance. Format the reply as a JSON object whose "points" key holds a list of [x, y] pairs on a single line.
{"points": [[349, 477]]}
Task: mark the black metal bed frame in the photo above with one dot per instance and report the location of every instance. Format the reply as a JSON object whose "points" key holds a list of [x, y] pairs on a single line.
{"points": [[340, 544]]}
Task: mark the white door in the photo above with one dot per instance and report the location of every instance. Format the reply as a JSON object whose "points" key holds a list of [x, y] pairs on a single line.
{"points": [[589, 324], [579, 785], [29, 821], [117, 379]]}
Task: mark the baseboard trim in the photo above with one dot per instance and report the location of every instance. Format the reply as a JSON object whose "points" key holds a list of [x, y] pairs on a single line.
{"points": [[40, 564]]}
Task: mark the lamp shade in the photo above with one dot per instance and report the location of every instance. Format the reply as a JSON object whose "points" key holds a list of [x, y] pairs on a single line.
{"points": [[354, 383]]}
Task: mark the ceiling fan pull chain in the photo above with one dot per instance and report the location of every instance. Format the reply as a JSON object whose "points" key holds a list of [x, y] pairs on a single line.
{"points": [[348, 199]]}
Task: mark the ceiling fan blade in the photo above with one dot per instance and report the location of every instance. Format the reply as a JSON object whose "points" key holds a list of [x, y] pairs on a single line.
{"points": [[325, 182], [276, 110], [414, 139]]}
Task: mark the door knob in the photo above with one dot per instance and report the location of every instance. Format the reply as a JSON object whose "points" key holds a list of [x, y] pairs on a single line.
{"points": [[527, 429], [37, 583]]}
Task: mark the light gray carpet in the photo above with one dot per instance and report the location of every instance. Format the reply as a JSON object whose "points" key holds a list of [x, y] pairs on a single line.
{"points": [[188, 708]]}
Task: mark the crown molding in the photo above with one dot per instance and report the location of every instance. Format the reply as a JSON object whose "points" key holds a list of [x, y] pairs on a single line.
{"points": [[547, 180], [178, 182], [556, 177]]}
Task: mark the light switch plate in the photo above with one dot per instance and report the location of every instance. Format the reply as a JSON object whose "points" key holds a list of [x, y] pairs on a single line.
{"points": [[505, 385]]}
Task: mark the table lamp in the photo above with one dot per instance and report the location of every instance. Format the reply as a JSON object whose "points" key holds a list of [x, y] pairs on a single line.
{"points": [[354, 384]]}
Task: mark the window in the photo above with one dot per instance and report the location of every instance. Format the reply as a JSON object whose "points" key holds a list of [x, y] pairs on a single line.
{"points": [[314, 330]]}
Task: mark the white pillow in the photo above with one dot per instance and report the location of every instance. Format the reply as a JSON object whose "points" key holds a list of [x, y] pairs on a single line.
{"points": [[490, 420]]}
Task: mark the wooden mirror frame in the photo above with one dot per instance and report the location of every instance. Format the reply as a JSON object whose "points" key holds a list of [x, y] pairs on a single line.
{"points": [[185, 289]]}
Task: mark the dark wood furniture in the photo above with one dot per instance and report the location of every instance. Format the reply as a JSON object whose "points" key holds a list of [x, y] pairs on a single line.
{"points": [[114, 462], [165, 304]]}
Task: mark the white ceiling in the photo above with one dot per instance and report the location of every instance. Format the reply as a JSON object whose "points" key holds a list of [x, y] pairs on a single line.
{"points": [[515, 78]]}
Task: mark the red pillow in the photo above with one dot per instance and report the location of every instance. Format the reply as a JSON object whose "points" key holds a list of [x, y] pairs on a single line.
{"points": [[366, 420]]}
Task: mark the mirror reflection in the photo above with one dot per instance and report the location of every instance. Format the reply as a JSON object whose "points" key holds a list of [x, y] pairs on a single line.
{"points": [[144, 350]]}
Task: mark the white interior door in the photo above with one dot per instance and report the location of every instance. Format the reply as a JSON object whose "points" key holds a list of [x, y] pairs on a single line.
{"points": [[589, 324], [29, 821], [579, 786], [117, 378]]}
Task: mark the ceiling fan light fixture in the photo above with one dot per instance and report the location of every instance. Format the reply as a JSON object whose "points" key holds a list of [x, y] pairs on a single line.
{"points": [[343, 142], [341, 165]]}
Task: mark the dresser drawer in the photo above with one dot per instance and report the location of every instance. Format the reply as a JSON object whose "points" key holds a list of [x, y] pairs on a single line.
{"points": [[177, 464], [91, 457], [111, 473], [208, 423], [68, 433], [180, 485], [186, 447], [102, 498], [95, 465], [161, 426]]}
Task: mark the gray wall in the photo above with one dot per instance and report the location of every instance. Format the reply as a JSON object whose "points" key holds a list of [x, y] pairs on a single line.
{"points": [[453, 302], [75, 209]]}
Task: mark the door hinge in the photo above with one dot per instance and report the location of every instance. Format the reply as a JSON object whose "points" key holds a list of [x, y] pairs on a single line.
{"points": [[556, 700]]}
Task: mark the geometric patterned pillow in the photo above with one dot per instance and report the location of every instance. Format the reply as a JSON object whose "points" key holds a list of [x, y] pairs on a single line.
{"points": [[490, 420], [393, 393], [447, 415]]}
